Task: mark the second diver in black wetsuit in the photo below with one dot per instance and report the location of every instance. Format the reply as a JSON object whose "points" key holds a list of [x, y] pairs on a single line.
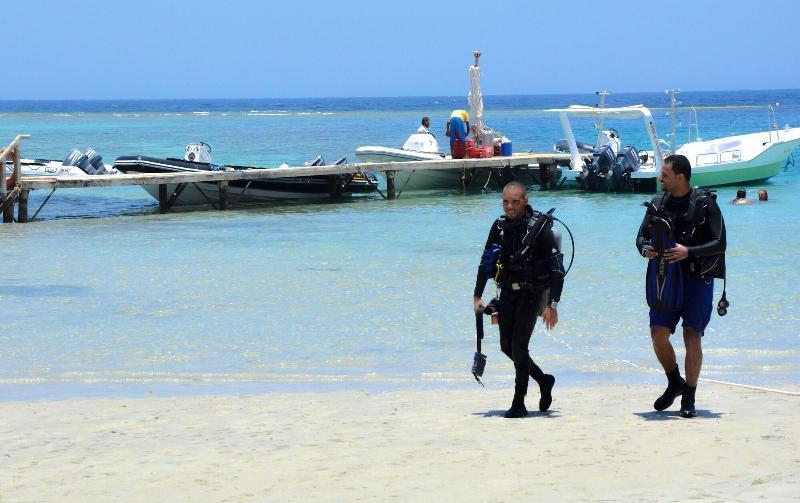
{"points": [[530, 284]]}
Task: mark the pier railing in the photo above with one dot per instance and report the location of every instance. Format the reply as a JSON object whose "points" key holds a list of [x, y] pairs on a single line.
{"points": [[9, 187]]}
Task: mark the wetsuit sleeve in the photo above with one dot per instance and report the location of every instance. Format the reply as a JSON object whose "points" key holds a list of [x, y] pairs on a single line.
{"points": [[482, 279], [555, 261], [715, 225], [643, 237]]}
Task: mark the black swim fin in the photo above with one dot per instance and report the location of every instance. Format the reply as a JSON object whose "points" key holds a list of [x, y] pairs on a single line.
{"points": [[664, 283]]}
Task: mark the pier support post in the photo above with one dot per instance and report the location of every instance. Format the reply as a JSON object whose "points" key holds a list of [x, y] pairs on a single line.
{"points": [[552, 176], [8, 212], [390, 193], [22, 208], [162, 197], [223, 194]]}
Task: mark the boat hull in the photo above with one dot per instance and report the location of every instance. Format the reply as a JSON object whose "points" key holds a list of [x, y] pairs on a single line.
{"points": [[423, 179], [316, 187]]}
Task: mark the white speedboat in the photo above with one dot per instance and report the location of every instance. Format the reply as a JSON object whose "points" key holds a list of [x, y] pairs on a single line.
{"points": [[736, 160], [418, 147], [75, 164], [732, 160]]}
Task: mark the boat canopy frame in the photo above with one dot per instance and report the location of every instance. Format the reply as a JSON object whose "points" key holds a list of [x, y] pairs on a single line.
{"points": [[634, 112]]}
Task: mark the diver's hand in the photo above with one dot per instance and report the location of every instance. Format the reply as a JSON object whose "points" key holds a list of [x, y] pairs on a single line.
{"points": [[550, 316], [676, 254], [478, 305], [650, 253]]}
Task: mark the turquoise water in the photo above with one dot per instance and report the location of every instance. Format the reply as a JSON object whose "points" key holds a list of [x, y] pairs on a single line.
{"points": [[106, 296]]}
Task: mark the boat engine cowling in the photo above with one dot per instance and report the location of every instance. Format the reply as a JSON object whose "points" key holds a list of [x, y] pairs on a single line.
{"points": [[603, 160], [628, 161], [198, 152], [609, 137]]}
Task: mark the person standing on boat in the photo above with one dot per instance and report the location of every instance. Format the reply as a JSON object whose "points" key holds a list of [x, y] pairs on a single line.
{"points": [[426, 123], [699, 231], [530, 284], [457, 130]]}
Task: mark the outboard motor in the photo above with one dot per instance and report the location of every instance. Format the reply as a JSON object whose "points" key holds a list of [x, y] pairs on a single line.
{"points": [[90, 162], [198, 152], [627, 162], [94, 163], [602, 163], [72, 157], [609, 137]]}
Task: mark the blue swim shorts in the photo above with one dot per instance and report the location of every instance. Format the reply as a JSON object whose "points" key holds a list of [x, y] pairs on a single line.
{"points": [[697, 306]]}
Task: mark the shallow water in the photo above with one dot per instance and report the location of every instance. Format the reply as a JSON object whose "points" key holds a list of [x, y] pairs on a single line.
{"points": [[367, 294]]}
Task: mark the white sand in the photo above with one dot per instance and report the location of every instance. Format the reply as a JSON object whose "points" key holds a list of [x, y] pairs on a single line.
{"points": [[596, 444]]}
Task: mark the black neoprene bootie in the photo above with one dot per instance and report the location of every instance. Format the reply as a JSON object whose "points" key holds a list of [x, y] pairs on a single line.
{"points": [[546, 388], [517, 407], [674, 389], [687, 402]]}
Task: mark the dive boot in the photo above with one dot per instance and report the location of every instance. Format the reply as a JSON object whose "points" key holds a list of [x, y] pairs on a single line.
{"points": [[687, 403], [674, 389], [517, 408], [546, 388]]}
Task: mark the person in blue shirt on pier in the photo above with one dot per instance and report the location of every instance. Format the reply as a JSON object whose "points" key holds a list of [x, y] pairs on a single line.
{"points": [[458, 130]]}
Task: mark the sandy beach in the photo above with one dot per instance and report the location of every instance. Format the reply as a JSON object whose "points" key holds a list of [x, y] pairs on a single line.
{"points": [[595, 444]]}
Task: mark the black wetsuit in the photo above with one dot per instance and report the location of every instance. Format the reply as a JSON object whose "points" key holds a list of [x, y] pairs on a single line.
{"points": [[525, 288]]}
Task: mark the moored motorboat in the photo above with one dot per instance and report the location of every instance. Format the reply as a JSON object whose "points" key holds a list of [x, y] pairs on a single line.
{"points": [[418, 147], [731, 160], [76, 163], [252, 190]]}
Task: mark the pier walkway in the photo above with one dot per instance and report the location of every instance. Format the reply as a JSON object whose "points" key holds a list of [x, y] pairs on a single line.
{"points": [[15, 190]]}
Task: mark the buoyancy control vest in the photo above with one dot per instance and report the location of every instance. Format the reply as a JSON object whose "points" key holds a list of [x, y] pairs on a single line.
{"points": [[696, 232], [518, 265]]}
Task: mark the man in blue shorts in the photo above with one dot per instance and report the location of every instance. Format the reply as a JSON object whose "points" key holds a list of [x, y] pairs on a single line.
{"points": [[457, 130], [700, 236]]}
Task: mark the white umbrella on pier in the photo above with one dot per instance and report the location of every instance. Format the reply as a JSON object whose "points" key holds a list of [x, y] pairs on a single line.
{"points": [[475, 97]]}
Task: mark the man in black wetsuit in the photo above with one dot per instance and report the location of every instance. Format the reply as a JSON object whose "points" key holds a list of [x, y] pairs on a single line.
{"points": [[700, 237], [529, 285]]}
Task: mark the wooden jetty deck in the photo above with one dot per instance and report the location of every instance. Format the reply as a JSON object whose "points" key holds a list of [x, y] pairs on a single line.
{"points": [[21, 186]]}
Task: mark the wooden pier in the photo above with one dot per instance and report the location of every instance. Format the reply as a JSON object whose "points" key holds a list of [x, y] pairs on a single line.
{"points": [[540, 167]]}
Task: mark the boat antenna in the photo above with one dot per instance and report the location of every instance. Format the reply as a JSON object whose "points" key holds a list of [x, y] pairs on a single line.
{"points": [[601, 105], [672, 94]]}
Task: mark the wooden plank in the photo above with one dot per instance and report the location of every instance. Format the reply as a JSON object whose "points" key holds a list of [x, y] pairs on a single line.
{"points": [[30, 183]]}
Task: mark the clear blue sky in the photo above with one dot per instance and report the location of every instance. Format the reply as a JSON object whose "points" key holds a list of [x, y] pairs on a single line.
{"points": [[295, 48]]}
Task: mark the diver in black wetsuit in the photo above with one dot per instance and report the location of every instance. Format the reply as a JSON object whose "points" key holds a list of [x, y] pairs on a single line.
{"points": [[529, 286], [701, 241]]}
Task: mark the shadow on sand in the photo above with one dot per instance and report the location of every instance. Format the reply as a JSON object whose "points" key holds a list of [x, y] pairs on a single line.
{"points": [[666, 415], [552, 413]]}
